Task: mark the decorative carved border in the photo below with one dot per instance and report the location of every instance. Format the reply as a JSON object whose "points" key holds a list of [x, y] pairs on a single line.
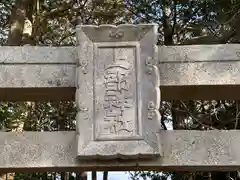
{"points": [[148, 93], [153, 70]]}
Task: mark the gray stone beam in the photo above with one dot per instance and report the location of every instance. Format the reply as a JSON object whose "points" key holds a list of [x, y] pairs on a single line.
{"points": [[37, 73], [187, 72], [200, 71], [182, 151]]}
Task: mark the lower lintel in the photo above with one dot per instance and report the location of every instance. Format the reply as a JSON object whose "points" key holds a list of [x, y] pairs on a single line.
{"points": [[182, 151]]}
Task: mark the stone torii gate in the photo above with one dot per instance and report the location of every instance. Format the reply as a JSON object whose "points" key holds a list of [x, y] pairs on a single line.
{"points": [[117, 76]]}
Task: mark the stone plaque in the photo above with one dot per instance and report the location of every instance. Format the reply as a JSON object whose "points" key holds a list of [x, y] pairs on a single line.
{"points": [[117, 92]]}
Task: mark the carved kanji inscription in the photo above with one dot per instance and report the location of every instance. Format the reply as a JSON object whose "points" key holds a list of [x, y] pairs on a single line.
{"points": [[115, 87]]}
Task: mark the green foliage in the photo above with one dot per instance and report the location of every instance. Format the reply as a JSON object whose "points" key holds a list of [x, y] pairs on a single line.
{"points": [[153, 175], [32, 176]]}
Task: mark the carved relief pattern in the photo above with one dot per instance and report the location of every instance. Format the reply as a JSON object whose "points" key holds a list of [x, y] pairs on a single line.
{"points": [[118, 101], [116, 34], [83, 65], [81, 109], [149, 65], [153, 108]]}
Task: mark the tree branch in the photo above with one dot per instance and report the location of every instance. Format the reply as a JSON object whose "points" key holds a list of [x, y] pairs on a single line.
{"points": [[209, 39], [194, 118], [17, 20]]}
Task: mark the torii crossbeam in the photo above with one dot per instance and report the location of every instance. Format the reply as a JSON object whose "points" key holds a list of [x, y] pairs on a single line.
{"points": [[57, 73]]}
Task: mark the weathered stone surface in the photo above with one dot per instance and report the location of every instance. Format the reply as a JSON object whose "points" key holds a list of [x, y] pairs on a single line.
{"points": [[186, 72], [199, 72], [34, 149], [30, 67], [117, 92], [37, 55], [182, 151], [199, 53], [199, 65], [37, 73]]}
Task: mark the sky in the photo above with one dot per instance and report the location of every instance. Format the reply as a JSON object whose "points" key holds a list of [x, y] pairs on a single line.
{"points": [[112, 175]]}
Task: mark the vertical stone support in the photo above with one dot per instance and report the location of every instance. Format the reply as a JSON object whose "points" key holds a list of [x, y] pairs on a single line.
{"points": [[117, 93]]}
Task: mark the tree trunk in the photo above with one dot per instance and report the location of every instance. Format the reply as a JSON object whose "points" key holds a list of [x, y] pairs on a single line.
{"points": [[167, 28], [20, 12], [94, 175], [177, 117], [105, 175], [83, 176], [62, 174]]}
